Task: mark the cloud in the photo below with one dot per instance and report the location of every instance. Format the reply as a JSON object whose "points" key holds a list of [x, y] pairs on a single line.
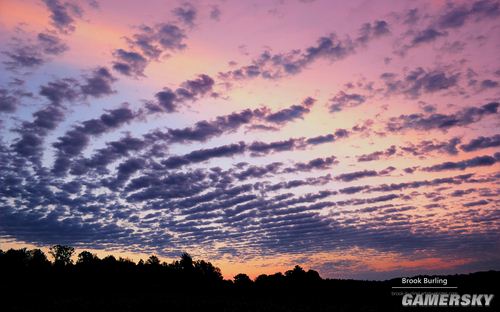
{"points": [[353, 189], [59, 91], [481, 202], [376, 155], [10, 98], [343, 100], [29, 144], [124, 171], [79, 137], [419, 81], [186, 14], [204, 130], [199, 86], [481, 142], [463, 117], [330, 47], [256, 148], [321, 139], [129, 63], [63, 14], [218, 194], [457, 15], [314, 164], [418, 38], [99, 83], [215, 13], [370, 31], [23, 53], [412, 16], [70, 230], [452, 17], [23, 57], [259, 148], [51, 44], [348, 177], [203, 155], [479, 161], [168, 100], [68, 90], [8, 102], [75, 140], [207, 129], [460, 193], [423, 148], [173, 185], [322, 180], [113, 151], [148, 44], [488, 84], [258, 171], [291, 113], [285, 115], [426, 36], [169, 37], [422, 183]]}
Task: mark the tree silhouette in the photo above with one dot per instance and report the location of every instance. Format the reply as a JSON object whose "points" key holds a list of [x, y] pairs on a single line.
{"points": [[313, 276], [153, 261], [17, 259], [242, 280], [186, 262], [62, 254], [38, 260], [109, 260], [297, 273], [207, 271], [87, 258]]}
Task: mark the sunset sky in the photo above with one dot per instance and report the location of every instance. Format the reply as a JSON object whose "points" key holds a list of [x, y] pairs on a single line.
{"points": [[356, 138]]}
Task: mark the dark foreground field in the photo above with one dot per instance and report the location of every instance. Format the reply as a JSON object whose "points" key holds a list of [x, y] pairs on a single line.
{"points": [[29, 282]]}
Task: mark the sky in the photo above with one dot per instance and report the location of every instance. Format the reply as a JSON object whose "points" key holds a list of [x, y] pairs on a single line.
{"points": [[356, 138]]}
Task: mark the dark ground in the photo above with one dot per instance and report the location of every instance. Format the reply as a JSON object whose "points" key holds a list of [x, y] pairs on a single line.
{"points": [[29, 282]]}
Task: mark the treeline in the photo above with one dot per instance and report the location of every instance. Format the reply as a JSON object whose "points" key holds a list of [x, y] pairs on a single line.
{"points": [[85, 282], [35, 262]]}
